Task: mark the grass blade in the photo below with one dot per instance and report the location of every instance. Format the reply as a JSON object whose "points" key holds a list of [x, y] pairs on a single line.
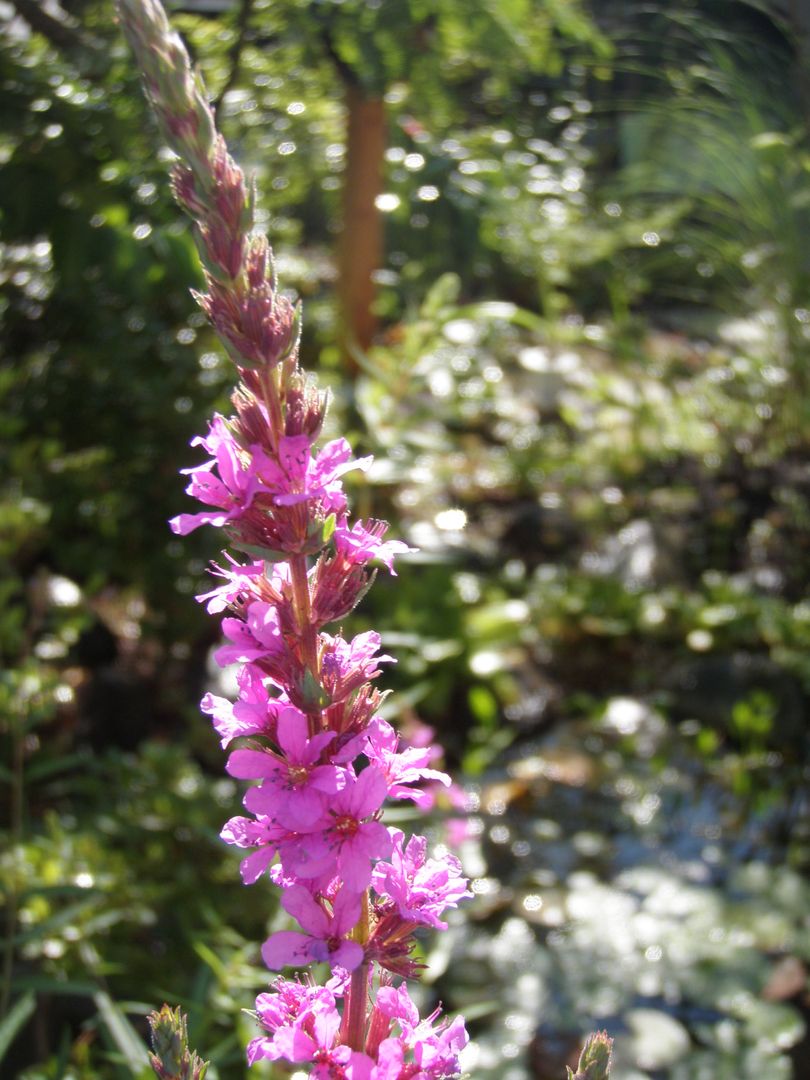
{"points": [[122, 1033], [15, 1019]]}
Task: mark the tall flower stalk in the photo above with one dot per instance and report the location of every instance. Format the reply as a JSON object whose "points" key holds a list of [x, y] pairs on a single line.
{"points": [[305, 724]]}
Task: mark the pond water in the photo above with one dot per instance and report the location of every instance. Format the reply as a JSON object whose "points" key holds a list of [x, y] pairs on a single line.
{"points": [[623, 880]]}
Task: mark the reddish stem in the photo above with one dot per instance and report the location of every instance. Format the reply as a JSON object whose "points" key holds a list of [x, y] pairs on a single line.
{"points": [[353, 1028]]}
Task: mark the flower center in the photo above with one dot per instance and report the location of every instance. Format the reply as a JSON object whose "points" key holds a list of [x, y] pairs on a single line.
{"points": [[298, 774], [346, 826]]}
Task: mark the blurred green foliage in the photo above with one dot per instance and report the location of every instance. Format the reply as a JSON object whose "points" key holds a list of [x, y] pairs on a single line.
{"points": [[588, 406]]}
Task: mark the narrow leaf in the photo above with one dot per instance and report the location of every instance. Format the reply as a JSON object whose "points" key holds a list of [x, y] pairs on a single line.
{"points": [[15, 1019], [122, 1033]]}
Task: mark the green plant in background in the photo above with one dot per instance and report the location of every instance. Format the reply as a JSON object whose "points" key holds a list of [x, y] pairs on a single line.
{"points": [[131, 881], [734, 152]]}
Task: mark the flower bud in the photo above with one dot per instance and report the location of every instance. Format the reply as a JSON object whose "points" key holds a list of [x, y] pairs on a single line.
{"points": [[172, 1059], [594, 1061], [185, 191], [222, 250], [306, 407], [229, 186], [257, 262]]}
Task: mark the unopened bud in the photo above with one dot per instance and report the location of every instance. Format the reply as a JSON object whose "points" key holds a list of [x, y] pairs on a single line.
{"points": [[181, 127], [282, 331], [252, 425], [221, 251], [230, 194], [308, 694], [306, 407], [594, 1061], [257, 262], [185, 191], [207, 131], [172, 1059]]}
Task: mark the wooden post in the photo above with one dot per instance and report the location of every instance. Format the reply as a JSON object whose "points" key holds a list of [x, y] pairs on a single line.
{"points": [[360, 249]]}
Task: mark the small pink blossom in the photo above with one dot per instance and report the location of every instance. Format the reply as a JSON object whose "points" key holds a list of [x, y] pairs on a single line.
{"points": [[266, 836], [244, 584], [435, 1050], [254, 713], [255, 637], [351, 837], [419, 887], [308, 1033], [293, 783], [232, 491], [345, 665], [401, 769], [361, 544], [296, 476], [437, 1053], [355, 839], [325, 933]]}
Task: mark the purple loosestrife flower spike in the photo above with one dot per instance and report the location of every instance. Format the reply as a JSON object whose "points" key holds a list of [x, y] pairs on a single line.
{"points": [[306, 717]]}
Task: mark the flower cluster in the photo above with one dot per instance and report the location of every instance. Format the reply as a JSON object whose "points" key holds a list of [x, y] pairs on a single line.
{"points": [[304, 1025], [305, 726]]}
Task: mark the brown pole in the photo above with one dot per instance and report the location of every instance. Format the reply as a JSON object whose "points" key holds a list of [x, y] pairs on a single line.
{"points": [[360, 248]]}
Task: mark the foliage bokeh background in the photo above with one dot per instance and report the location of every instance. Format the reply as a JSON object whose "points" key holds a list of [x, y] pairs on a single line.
{"points": [[584, 378]]}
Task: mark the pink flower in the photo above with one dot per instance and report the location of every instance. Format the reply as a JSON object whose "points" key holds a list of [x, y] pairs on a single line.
{"points": [[356, 840], [296, 476], [350, 840], [232, 491], [345, 665], [254, 638], [244, 584], [403, 769], [268, 837], [435, 1050], [361, 544], [395, 1003], [262, 638], [437, 1053], [293, 1003], [294, 784], [310, 1034], [390, 1061], [325, 932], [253, 714], [420, 888]]}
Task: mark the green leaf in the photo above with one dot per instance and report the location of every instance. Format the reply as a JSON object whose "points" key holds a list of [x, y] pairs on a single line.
{"points": [[122, 1033], [210, 958], [443, 294], [14, 1020], [312, 691], [328, 528], [56, 986], [268, 554], [47, 767]]}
